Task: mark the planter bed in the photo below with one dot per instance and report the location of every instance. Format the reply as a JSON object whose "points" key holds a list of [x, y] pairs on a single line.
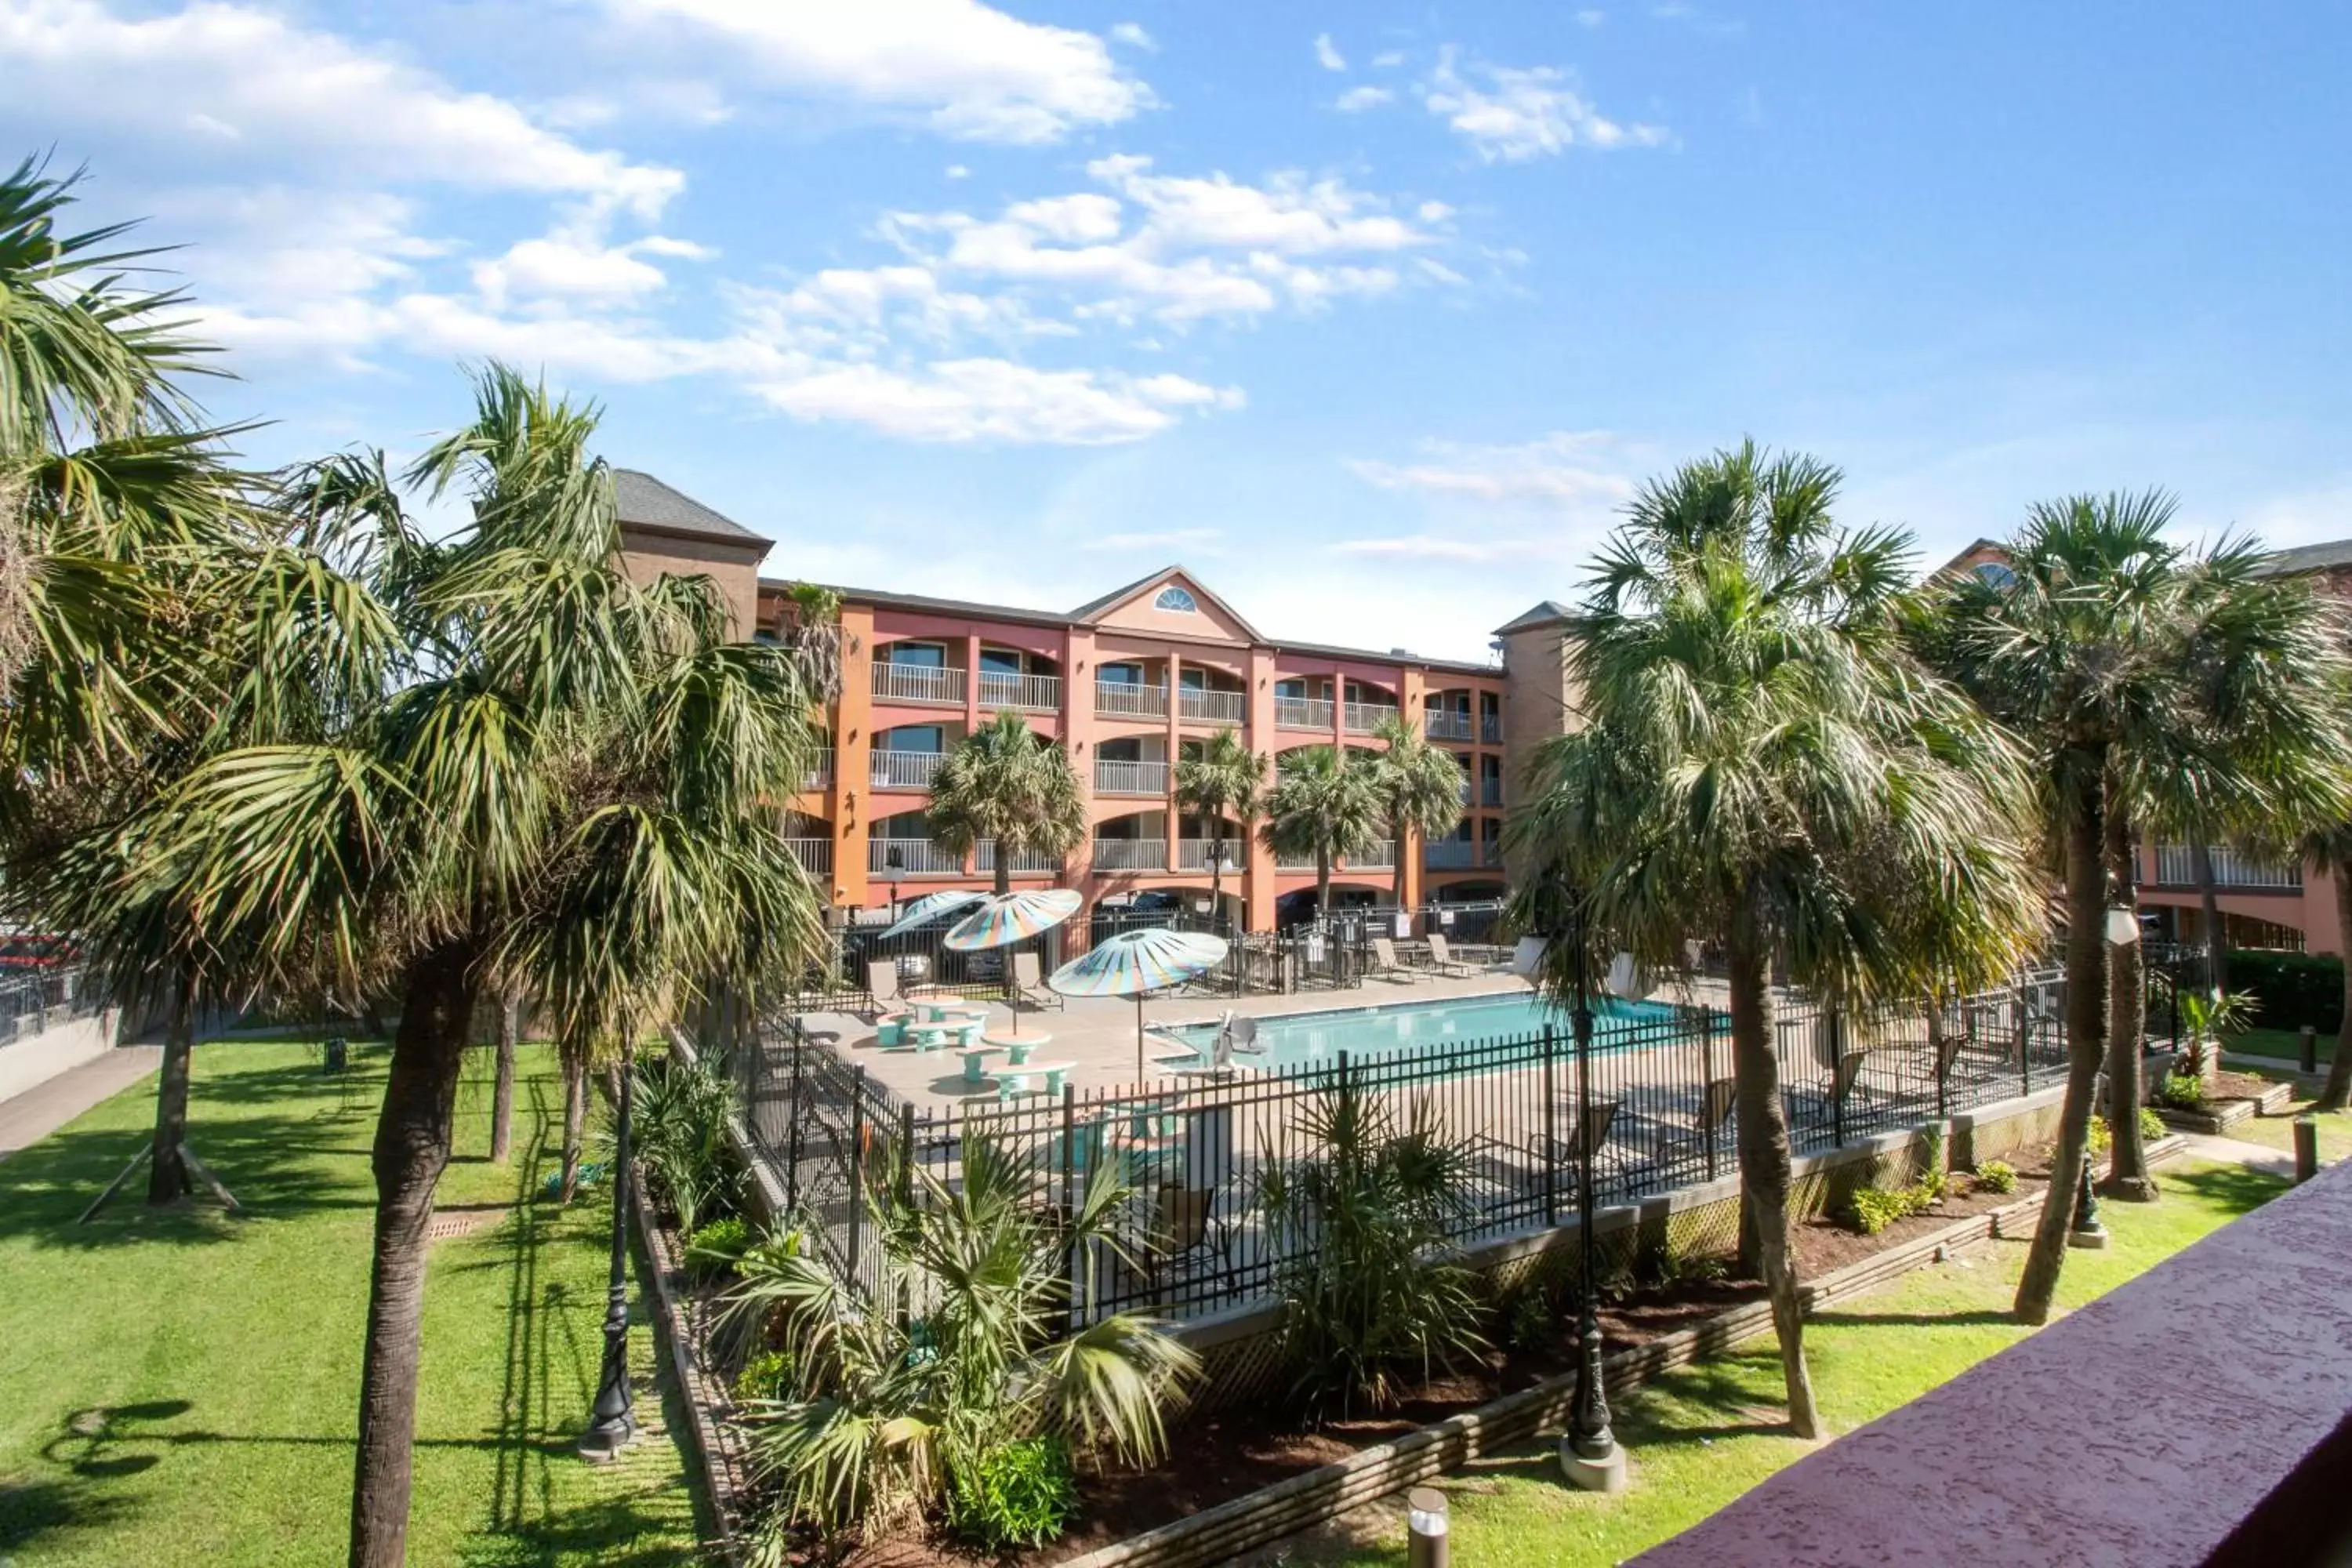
{"points": [[2237, 1096]]}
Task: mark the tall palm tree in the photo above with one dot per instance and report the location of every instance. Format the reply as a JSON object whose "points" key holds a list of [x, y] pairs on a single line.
{"points": [[1226, 778], [1763, 764], [1006, 785], [1420, 788], [2331, 848], [557, 779], [2139, 676], [1324, 803]]}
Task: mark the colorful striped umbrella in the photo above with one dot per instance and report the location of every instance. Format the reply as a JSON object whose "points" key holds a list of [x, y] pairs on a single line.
{"points": [[1004, 918], [931, 907], [1136, 962]]}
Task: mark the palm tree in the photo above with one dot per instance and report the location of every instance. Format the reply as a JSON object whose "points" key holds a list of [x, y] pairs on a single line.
{"points": [[1226, 778], [556, 779], [1763, 764], [2332, 848], [1006, 785], [2142, 680], [1420, 788], [1324, 803]]}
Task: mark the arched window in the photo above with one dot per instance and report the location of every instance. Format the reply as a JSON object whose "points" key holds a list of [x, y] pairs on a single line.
{"points": [[1997, 575], [1177, 599]]}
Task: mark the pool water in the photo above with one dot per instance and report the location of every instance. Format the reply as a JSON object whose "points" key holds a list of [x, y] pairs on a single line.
{"points": [[1308, 1039]]}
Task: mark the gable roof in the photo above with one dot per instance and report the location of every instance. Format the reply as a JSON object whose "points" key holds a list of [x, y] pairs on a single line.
{"points": [[643, 502], [1093, 609], [1542, 615], [2306, 558]]}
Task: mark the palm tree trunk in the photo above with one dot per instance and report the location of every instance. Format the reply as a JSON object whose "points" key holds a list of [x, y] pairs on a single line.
{"points": [[1396, 838], [167, 1173], [1003, 868], [2209, 915], [1764, 1157], [412, 1147], [2339, 1093], [2086, 1038], [2128, 1175], [1323, 881], [575, 1117], [502, 1096]]}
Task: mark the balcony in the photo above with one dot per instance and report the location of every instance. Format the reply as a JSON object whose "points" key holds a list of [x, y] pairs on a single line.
{"points": [[918, 683], [1125, 699], [1026, 862], [820, 771], [1445, 724], [1114, 776], [1193, 853], [1130, 855], [1490, 791], [1380, 856], [2176, 866], [1303, 713], [1211, 707], [904, 770], [1449, 855], [1029, 693], [815, 855], [1363, 717], [1490, 728], [916, 856]]}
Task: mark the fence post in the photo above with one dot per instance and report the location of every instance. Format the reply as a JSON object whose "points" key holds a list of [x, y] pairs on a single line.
{"points": [[1835, 1020], [856, 1164], [1707, 1085], [1551, 1134], [2024, 1040], [792, 1157], [1070, 1199], [906, 1152]]}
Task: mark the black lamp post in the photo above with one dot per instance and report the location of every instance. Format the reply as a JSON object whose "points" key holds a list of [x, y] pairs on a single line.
{"points": [[1589, 1454], [613, 1422]]}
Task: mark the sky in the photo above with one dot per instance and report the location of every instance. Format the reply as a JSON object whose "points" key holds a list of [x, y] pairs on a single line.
{"points": [[1373, 315]]}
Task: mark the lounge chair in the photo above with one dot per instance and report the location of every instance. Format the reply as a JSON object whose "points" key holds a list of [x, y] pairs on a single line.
{"points": [[1716, 1106], [1385, 959], [882, 987], [1442, 959], [1029, 985], [1848, 1075]]}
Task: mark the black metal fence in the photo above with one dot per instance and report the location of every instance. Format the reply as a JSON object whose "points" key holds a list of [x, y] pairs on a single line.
{"points": [[1197, 1149]]}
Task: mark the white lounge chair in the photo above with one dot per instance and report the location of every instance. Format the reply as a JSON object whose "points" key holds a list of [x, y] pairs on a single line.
{"points": [[1442, 959]]}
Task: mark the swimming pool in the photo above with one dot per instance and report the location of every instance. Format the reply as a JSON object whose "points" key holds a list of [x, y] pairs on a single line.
{"points": [[1305, 1039]]}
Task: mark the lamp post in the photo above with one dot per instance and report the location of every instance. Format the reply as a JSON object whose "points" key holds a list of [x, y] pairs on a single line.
{"points": [[1589, 1455], [2122, 928], [612, 1421]]}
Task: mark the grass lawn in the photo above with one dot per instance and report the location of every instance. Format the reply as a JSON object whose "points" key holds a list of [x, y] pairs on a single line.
{"points": [[182, 1387], [2285, 1043], [2278, 1132], [1702, 1436]]}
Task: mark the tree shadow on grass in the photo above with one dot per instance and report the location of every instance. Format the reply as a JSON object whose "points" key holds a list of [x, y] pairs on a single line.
{"points": [[2231, 1188], [1974, 1317]]}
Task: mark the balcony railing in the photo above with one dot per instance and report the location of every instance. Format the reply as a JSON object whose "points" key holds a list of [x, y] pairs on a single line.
{"points": [[1490, 728], [1116, 777], [918, 683], [1449, 855], [1490, 791], [1380, 856], [1363, 717], [1212, 707], [904, 770], [1030, 693], [916, 858], [820, 771], [1026, 862], [1445, 724], [1130, 855], [815, 855], [1303, 713], [1125, 699], [2176, 866], [1193, 853]]}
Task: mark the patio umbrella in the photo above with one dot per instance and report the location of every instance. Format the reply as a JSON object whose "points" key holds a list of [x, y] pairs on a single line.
{"points": [[931, 907], [1136, 962], [1004, 918]]}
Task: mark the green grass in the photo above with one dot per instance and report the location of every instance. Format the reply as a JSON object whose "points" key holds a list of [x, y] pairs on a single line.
{"points": [[181, 1386], [2285, 1043], [2278, 1132], [1701, 1436]]}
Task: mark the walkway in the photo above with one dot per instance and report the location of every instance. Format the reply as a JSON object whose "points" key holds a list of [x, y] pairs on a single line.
{"points": [[2238, 1151], [45, 1107]]}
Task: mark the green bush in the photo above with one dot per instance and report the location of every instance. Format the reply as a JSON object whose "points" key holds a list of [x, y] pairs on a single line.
{"points": [[2151, 1125], [718, 1246], [1872, 1209], [2291, 989], [2182, 1092], [1997, 1176], [768, 1376], [1013, 1494]]}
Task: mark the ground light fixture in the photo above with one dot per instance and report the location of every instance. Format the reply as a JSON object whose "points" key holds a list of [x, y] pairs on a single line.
{"points": [[1589, 1455]]}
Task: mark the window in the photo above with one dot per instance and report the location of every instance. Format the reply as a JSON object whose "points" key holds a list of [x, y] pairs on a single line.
{"points": [[1997, 575], [1294, 690], [925, 655], [1180, 600], [999, 661], [929, 738], [1119, 674]]}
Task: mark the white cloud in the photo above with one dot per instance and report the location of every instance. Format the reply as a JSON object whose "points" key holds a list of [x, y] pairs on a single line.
{"points": [[1358, 99], [1132, 35], [1512, 114], [1562, 473], [219, 82], [576, 264], [1327, 54], [973, 400], [972, 71]]}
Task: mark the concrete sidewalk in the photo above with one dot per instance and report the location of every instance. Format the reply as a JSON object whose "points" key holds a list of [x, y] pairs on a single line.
{"points": [[29, 1116]]}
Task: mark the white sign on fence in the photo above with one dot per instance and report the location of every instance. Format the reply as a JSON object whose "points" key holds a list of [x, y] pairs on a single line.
{"points": [[1314, 950], [1445, 917], [1404, 924]]}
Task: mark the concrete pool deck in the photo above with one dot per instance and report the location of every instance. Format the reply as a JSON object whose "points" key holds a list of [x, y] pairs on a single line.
{"points": [[1096, 1035]]}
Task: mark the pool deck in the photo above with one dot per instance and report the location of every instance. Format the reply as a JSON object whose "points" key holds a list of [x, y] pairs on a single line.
{"points": [[1096, 1035]]}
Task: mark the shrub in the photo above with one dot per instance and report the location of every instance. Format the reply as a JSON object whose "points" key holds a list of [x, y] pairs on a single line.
{"points": [[1530, 1322], [1872, 1209], [679, 1124], [2101, 1138], [2182, 1091], [768, 1376], [2291, 989], [1997, 1176], [2151, 1125], [1013, 1494], [716, 1249]]}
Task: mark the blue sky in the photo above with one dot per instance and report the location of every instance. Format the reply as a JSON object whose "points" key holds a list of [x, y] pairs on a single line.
{"points": [[1371, 314]]}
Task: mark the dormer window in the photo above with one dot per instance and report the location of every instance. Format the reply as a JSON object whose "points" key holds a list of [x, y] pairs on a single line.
{"points": [[1177, 599]]}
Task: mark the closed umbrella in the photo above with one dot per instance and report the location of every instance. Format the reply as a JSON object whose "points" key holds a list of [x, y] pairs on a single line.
{"points": [[1004, 918], [1136, 962]]}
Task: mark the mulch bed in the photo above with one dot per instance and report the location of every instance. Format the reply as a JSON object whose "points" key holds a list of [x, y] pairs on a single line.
{"points": [[1227, 1455]]}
